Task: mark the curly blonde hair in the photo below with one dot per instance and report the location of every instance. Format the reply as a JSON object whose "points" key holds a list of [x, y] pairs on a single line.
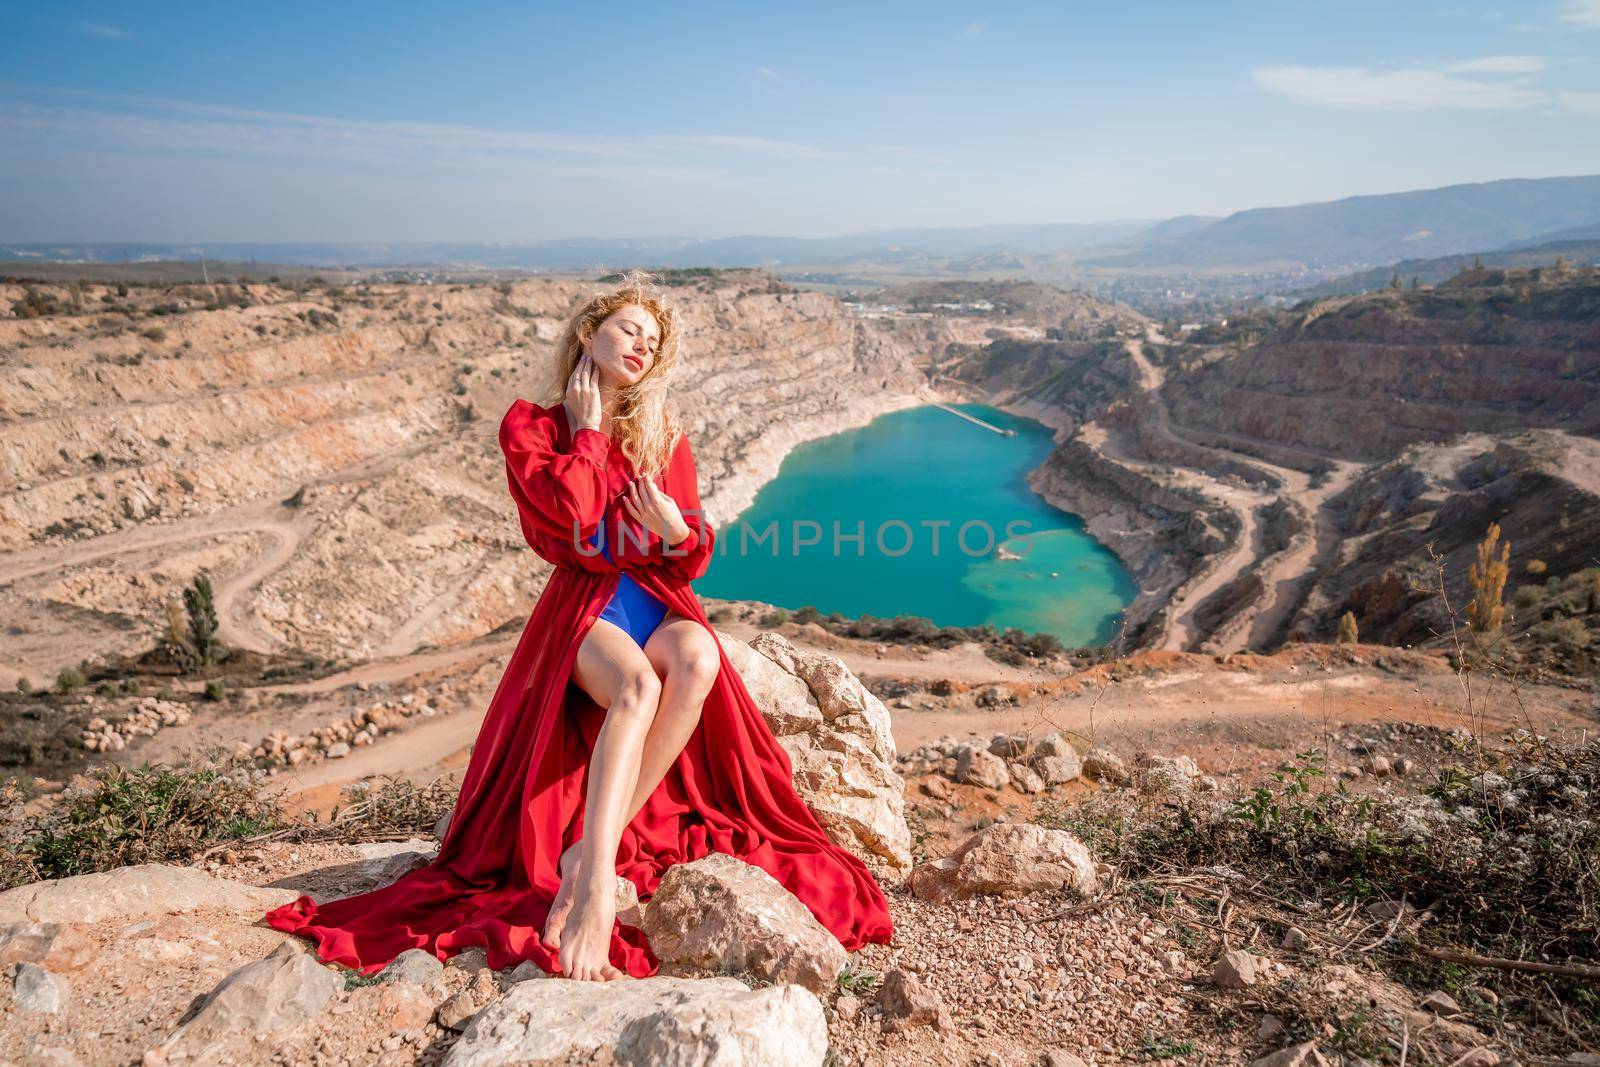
{"points": [[644, 422]]}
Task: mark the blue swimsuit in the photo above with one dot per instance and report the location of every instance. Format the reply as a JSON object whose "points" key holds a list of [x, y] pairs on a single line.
{"points": [[631, 607]]}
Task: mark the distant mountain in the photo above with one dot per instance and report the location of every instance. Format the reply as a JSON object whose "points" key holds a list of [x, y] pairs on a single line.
{"points": [[1580, 234], [882, 246], [1443, 268], [1370, 230]]}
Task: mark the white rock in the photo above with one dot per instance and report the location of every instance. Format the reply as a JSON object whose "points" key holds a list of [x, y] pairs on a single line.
{"points": [[133, 892], [1007, 858], [684, 1022], [37, 990], [721, 914]]}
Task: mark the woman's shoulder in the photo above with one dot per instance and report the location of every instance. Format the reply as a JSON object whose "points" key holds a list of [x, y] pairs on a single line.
{"points": [[525, 419]]}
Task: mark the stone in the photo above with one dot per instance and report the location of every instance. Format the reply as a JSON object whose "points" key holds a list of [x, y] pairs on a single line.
{"points": [[979, 766], [414, 966], [286, 989], [1386, 911], [721, 914], [338, 750], [526, 971], [455, 1012], [1440, 1003], [1106, 767], [143, 890], [1166, 774], [1236, 969], [1025, 779], [1294, 939], [994, 696], [1007, 858], [1379, 766], [37, 990], [936, 787], [401, 864], [1053, 744], [1305, 1055], [1060, 1057], [442, 827], [56, 946], [707, 1022], [905, 1003], [841, 750], [1008, 746], [399, 1006], [1058, 769], [472, 960]]}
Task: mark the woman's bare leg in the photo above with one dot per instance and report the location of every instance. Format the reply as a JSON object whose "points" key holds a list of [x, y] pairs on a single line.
{"points": [[685, 657], [615, 672]]}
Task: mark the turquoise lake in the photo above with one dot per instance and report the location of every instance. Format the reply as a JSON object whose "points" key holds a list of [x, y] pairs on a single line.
{"points": [[900, 482]]}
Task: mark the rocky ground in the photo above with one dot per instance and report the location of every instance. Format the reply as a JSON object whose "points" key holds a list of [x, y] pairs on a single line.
{"points": [[1015, 943]]}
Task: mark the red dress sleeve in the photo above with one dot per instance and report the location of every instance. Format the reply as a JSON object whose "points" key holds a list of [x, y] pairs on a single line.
{"points": [[560, 491], [692, 556]]}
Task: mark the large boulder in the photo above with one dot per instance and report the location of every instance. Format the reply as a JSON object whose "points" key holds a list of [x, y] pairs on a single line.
{"points": [[286, 989], [132, 893], [1004, 859], [721, 914], [840, 748], [706, 1022]]}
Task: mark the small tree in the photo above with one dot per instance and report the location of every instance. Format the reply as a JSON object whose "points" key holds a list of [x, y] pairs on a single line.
{"points": [[202, 635], [1487, 576], [1394, 282], [1348, 633], [1477, 262]]}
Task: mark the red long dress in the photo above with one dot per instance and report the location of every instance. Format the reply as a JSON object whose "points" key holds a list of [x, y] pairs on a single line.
{"points": [[521, 801]]}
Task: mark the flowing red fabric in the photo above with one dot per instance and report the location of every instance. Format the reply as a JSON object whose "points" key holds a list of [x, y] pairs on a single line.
{"points": [[521, 801]]}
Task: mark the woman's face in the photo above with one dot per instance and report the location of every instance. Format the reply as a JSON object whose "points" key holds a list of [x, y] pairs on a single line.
{"points": [[624, 346]]}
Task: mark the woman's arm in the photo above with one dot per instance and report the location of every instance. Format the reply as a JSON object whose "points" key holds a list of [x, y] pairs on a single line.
{"points": [[690, 557], [564, 492]]}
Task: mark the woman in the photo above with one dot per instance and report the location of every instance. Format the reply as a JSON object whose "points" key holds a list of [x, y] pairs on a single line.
{"points": [[620, 739]]}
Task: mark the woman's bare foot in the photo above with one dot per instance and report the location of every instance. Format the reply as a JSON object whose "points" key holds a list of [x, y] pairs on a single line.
{"points": [[586, 940], [561, 907]]}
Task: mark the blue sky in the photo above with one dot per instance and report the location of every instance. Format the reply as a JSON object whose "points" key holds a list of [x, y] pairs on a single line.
{"points": [[512, 122]]}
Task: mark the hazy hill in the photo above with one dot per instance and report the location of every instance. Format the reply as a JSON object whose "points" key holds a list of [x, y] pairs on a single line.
{"points": [[588, 253], [1577, 253], [1380, 229]]}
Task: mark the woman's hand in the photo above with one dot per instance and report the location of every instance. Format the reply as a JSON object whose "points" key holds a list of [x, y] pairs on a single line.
{"points": [[583, 394], [659, 513]]}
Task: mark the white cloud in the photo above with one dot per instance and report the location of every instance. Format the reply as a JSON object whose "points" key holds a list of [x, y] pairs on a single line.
{"points": [[767, 72], [1499, 65], [1582, 103], [1491, 83], [101, 29], [975, 27], [156, 125], [1363, 89], [1582, 12]]}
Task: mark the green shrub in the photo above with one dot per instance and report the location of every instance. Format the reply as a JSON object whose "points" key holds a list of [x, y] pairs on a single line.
{"points": [[68, 679], [123, 816], [1562, 633]]}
